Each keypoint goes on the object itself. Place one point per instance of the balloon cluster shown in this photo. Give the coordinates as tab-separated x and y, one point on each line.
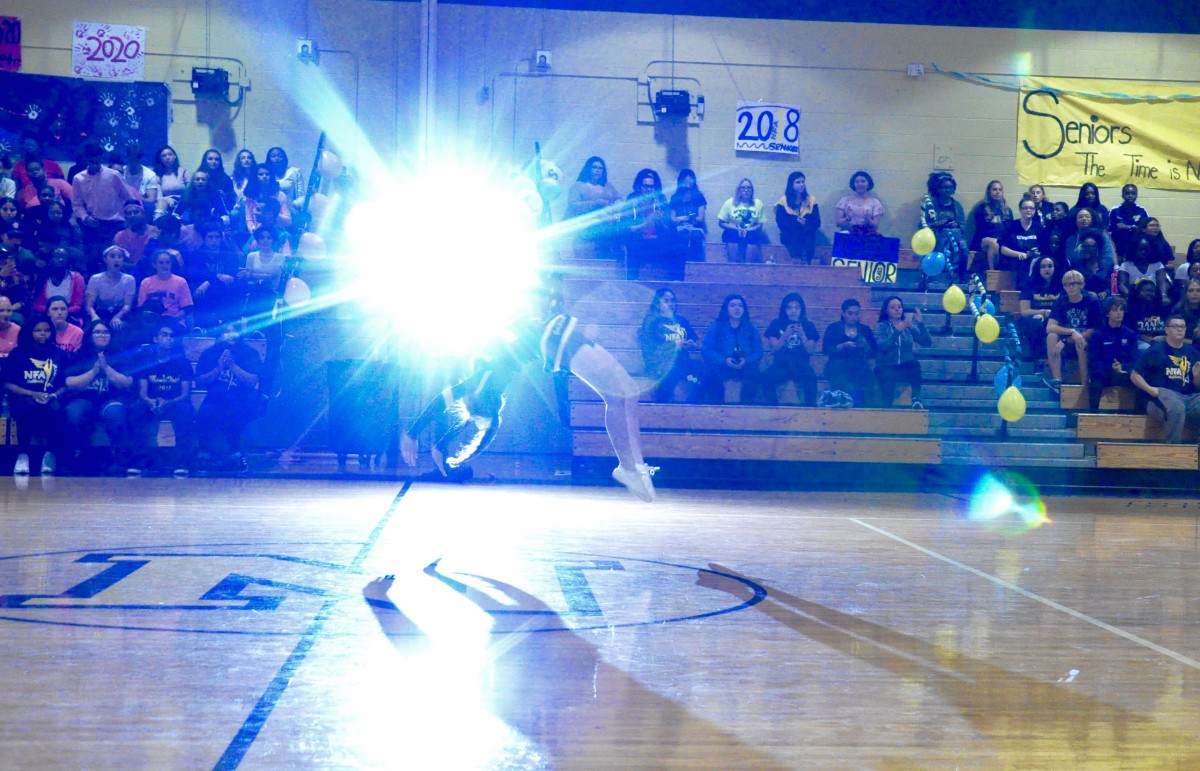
1011	404
923	243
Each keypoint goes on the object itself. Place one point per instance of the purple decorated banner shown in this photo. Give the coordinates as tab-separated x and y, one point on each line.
10	43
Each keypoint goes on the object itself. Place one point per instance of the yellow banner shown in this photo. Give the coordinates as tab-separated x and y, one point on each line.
1109	133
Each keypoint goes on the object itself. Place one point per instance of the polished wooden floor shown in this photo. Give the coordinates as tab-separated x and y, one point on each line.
186	624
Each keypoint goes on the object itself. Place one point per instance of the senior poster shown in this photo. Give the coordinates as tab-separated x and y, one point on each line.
1108	132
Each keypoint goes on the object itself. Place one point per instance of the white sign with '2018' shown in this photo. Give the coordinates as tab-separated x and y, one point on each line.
116	51
767	128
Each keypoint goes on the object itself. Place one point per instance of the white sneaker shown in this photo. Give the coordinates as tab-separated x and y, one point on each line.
49	464
180	473
637	481
21	468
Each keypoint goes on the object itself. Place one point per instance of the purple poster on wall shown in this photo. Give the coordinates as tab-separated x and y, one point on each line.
63	114
10	43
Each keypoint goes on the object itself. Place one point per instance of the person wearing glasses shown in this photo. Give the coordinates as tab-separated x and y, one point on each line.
648	229
741	221
1074	319
1020	243
1167	374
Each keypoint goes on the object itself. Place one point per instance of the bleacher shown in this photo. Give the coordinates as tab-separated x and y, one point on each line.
960	426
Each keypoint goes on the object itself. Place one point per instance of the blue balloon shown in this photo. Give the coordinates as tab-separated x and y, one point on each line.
933	264
988	307
1002	383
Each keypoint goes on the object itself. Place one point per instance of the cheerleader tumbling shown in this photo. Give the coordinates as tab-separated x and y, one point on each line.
466	416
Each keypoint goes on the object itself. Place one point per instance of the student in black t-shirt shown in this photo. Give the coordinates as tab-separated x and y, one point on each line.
1037	300
849	346
687	208
791	338
1167	374
1019	243
1073	319
164	392
99	388
229	371
1113	351
1146	314
33	380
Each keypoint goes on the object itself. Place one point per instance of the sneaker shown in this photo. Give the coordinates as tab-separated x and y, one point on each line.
49	464
637	480
133	472
827	399
845	400
1054	384
916	404
180	473
21	468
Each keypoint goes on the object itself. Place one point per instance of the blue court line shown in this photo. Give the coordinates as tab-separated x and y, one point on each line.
240	745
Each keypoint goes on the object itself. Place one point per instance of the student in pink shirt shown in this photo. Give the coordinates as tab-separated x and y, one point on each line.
8	330
98	196
67	336
137	232
166	294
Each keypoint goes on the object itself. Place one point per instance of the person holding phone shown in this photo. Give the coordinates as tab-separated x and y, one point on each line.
732	351
791	338
898	332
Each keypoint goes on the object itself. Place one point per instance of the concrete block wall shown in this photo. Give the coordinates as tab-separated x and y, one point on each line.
860	109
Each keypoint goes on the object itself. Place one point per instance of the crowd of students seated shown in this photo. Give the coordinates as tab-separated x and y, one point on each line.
647	227
863	366
104	269
1084	271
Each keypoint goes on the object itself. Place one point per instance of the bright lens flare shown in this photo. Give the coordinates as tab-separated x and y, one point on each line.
1007	504
448	255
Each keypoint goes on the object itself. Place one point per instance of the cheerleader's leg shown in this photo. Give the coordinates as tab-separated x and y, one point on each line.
603	374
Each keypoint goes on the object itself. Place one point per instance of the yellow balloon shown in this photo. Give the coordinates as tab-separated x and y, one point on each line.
987	329
954	300
1011	405
923	241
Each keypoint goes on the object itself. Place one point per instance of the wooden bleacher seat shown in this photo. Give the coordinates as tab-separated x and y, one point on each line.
755	418
1142	455
1112	399
1001	280
702	314
1010	301
1126	428
766	446
763	299
797	276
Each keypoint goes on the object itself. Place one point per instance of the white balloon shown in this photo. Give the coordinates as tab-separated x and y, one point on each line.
330	166
312	247
296	292
318	204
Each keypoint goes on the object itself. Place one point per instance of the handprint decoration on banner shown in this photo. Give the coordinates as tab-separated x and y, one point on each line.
63	114
116	51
